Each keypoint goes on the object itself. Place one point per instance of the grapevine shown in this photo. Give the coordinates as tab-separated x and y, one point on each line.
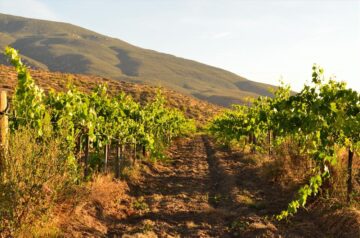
93	120
321	116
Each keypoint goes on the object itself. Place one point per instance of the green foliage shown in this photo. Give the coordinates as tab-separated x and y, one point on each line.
140	204
322	115
28	100
74	115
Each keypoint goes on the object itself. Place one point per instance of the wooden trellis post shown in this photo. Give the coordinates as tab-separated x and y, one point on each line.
4	122
269	141
349	179
86	157
118	159
106	157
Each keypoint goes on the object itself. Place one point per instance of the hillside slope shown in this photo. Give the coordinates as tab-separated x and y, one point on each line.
193	108
67	48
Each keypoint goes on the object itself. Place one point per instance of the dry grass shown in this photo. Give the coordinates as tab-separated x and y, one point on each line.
132	173
32	176
92	207
287	170
338	180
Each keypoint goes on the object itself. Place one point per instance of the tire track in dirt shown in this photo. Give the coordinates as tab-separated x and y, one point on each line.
223	181
227	174
251	199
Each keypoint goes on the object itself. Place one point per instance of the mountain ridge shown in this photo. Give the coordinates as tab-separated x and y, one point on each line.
64	47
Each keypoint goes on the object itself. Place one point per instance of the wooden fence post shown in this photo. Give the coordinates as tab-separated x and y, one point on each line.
134	159
86	157
4	122
349	178
269	141
106	155
117	160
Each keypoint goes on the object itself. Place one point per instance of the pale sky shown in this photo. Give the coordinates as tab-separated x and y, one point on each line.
262	40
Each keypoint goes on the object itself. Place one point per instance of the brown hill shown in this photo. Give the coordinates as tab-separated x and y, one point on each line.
63	47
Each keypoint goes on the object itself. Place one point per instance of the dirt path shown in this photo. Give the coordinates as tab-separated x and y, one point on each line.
206	192
178	197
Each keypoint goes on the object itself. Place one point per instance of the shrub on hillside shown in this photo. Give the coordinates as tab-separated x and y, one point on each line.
31	177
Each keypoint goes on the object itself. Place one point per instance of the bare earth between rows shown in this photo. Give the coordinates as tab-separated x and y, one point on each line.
203	191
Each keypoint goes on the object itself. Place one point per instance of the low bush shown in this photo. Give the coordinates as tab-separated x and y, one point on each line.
32	175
